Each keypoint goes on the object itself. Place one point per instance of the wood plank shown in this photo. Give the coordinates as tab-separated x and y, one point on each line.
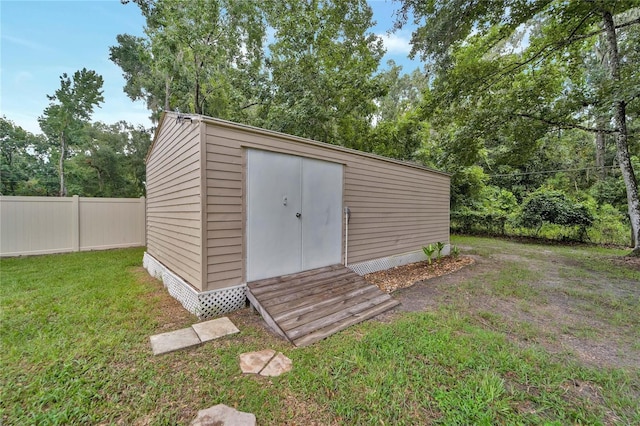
326	307
308	306
297	332
270	281
272	324
301	287
290	302
347	322
298	284
292	298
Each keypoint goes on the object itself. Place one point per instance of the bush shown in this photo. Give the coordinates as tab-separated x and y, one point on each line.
610	191
553	207
466	220
610	226
488	213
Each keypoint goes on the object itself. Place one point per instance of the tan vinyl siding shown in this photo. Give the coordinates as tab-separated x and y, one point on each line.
174	192
395	208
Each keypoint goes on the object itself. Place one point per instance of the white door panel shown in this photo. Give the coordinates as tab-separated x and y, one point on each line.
322	214
273	200
279	187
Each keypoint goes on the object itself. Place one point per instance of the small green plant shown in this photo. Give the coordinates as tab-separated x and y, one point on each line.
439	247
455	252
429	250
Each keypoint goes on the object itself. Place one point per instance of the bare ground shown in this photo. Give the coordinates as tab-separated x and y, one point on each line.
559	303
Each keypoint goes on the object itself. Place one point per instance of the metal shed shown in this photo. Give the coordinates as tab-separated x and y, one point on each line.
229	204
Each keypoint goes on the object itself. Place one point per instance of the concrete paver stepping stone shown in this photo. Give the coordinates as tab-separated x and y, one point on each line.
222	415
254	362
265	362
280	364
214	329
174	340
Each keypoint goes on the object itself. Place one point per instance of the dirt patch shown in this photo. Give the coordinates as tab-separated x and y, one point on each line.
568	308
407	275
628	261
172	315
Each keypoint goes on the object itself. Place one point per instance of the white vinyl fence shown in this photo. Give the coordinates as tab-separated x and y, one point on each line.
39	225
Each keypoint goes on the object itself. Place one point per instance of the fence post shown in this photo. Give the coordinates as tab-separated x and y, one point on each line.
75	223
143	205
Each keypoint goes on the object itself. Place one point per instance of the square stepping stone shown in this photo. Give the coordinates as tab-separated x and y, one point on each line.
265	362
254	362
214	329
280	364
222	415
174	340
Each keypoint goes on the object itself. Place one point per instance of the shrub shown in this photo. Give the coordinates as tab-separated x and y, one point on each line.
428	251
553	207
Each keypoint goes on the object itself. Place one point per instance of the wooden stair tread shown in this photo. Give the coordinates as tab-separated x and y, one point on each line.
322	311
345	323
294	300
304	288
308	306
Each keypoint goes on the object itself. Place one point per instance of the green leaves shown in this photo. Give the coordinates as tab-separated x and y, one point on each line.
428	251
202	56
322	64
554	207
316	78
70	108
111	161
23	169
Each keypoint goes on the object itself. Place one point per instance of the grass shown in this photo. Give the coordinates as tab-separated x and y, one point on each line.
74	332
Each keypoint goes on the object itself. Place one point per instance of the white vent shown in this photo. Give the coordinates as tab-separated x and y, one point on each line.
202	304
383	263
154	267
182	292
218	302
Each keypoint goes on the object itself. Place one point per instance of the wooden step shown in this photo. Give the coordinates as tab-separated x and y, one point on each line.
345	323
326	308
350	311
295	299
311	305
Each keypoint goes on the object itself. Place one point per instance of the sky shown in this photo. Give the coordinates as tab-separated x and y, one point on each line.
41	40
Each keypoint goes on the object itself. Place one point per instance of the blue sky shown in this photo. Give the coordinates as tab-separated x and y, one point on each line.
40	40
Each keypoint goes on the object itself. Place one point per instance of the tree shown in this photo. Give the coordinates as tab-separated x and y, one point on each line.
70	108
201	57
109	161
485	71
398	130
553	207
403	92
22	165
323	65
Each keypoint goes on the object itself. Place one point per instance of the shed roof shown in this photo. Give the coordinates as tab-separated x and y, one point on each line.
257	130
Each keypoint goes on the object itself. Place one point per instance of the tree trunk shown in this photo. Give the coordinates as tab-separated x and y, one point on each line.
601	146
601	122
622	142
63	190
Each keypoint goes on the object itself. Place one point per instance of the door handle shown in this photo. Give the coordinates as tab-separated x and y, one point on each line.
298	215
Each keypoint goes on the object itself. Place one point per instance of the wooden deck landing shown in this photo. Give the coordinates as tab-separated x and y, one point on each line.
311	305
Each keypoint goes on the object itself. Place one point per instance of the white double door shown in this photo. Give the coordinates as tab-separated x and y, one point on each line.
294	214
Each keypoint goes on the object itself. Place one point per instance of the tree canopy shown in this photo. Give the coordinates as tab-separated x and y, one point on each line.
507	74
69	111
304	68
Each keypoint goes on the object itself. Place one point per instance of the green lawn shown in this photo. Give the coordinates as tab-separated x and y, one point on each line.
75	350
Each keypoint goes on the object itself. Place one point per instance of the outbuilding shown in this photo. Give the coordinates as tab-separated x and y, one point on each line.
229	204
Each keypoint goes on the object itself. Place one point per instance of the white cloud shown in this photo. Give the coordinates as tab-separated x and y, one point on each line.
23	77
24	43
396	44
